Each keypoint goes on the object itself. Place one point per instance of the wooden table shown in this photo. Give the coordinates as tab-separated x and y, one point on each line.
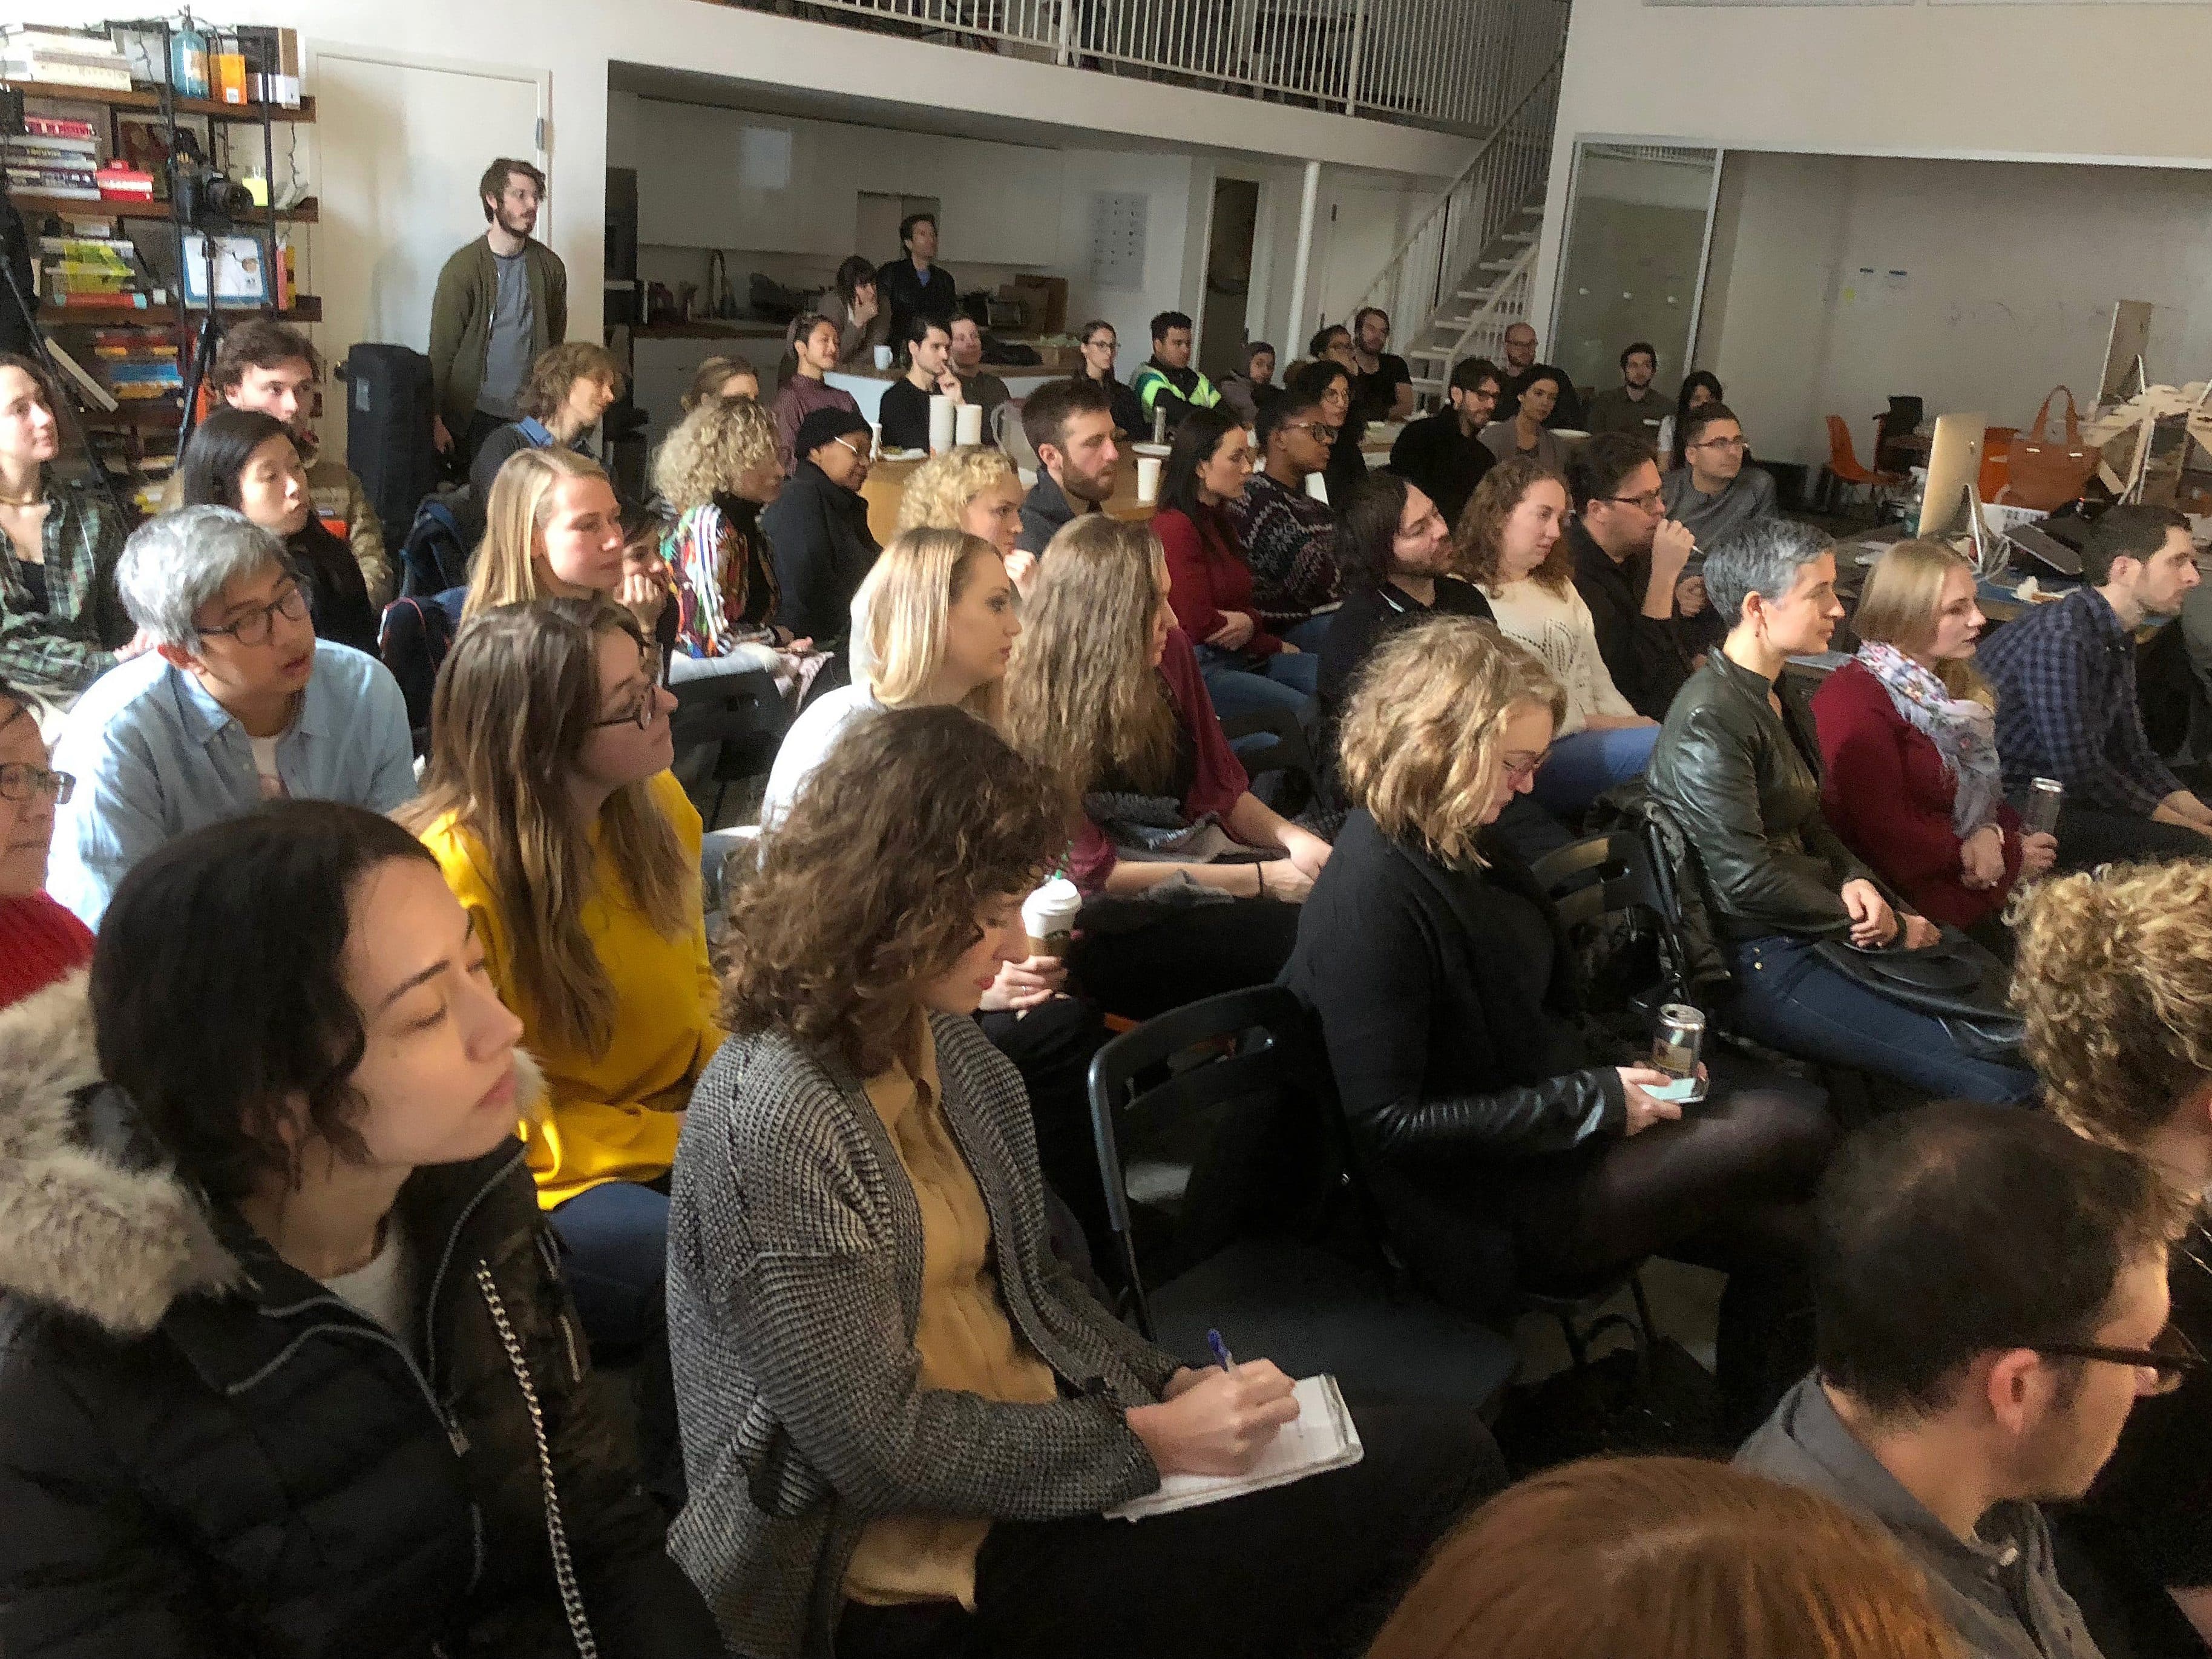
886	487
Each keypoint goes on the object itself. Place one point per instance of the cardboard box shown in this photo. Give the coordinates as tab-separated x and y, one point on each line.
1045	298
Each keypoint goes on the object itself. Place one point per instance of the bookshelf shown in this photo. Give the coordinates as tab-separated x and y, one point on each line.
139	434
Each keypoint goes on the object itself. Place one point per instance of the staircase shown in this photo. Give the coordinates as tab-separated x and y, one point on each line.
1467	269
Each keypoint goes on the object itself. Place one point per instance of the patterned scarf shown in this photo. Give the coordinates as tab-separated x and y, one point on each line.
1964	732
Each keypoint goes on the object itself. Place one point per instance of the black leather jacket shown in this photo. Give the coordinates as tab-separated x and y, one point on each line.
1744	783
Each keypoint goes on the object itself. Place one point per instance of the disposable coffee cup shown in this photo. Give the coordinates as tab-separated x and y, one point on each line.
1317	487
875	438
1148	478
882	356
1049	914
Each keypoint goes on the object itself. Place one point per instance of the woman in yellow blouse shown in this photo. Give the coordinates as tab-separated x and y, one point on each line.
549	806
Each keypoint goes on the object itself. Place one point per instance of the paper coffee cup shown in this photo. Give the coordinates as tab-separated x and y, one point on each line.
1049	914
882	356
1317	487
968	424
875	438
1148	478
940	422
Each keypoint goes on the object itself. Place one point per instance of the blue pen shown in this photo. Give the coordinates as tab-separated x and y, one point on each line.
1221	1357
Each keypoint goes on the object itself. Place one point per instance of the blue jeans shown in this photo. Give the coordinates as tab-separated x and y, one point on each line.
614	1243
1309	635
1787	997
1237	687
1584	765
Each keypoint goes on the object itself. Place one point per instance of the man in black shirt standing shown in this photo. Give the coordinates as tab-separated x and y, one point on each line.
1520	367
1628	557
1383	390
1442	455
917	286
905	411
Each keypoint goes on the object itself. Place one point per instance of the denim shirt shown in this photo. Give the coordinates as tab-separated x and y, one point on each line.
154	757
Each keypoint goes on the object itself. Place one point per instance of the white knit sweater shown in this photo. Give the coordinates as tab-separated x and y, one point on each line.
1557	628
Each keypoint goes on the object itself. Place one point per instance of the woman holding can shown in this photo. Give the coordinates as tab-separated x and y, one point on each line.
1506	1152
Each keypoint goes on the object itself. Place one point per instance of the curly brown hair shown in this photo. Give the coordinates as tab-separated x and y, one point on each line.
2114	979
1479	539
557	369
872	885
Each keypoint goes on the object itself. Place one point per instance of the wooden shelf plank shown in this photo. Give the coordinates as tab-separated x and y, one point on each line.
145	98
306	308
309	212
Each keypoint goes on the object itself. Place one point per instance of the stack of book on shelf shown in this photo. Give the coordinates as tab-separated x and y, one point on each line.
94	275
62	58
137	366
54	157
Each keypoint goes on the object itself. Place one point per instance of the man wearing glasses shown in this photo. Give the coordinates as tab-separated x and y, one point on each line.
1991	1293
237	703
1628	557
1444	453
1713	491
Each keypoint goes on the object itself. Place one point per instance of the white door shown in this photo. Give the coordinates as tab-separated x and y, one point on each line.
403	143
1361	236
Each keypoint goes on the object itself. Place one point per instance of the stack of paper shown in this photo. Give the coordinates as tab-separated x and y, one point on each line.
1323	1438
62	58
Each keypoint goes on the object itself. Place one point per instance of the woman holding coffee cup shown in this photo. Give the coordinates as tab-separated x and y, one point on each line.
935	625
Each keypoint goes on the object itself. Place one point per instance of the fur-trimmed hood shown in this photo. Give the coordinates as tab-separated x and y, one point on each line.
94	1220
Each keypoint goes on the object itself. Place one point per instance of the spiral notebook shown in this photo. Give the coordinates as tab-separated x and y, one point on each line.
1323	1438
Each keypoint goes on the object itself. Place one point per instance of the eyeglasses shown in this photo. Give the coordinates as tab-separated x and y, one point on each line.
1649	501
253	628
648	705
1720	443
2172	1356
847	443
1522	771
1319	430
20	781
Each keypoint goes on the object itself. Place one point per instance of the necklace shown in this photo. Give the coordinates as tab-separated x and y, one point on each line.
34	499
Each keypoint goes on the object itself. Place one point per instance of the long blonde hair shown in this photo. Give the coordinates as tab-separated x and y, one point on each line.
506	569
1898	604
906	596
1082	695
940	489
1420	742
713	446
517	698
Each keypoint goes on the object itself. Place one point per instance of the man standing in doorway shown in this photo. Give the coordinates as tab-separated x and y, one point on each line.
1383	390
1632	408
501	300
915	285
1443	454
1167	380
1522	368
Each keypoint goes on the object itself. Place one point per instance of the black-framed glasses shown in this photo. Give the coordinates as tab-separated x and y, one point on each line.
22	781
642	713
253	628
2172	1356
1319	430
1649	501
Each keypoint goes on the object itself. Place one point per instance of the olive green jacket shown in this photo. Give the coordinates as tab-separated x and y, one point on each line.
460	321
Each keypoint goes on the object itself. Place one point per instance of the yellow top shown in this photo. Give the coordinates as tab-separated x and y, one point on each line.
964	1340
613	1114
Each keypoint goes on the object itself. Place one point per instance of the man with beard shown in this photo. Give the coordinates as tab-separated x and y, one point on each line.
1632	407
1070	424
501	300
261	364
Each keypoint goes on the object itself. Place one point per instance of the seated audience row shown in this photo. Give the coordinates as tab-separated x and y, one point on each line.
569	387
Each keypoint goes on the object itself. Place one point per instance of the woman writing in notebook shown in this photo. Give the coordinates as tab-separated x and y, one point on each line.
903	1418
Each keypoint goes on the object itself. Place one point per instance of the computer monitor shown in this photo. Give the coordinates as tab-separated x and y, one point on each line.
2124	375
1954	472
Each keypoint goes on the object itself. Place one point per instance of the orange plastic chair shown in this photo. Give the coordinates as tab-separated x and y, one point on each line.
1844	462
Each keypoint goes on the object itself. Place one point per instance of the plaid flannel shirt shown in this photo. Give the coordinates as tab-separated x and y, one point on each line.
2065	678
62	649
1290	542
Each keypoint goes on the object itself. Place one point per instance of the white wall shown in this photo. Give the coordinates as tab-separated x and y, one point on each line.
571	41
2009	274
2115	83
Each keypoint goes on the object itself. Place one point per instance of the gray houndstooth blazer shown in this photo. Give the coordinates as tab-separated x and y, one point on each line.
794	1283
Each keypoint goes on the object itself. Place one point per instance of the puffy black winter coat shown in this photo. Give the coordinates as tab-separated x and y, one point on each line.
203	1452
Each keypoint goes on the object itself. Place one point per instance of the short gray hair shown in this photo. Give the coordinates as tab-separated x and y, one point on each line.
1761	557
175	563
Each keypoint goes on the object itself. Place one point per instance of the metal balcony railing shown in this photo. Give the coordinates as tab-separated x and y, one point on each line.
1449	64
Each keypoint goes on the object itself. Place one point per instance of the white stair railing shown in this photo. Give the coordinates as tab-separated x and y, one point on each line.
1479	227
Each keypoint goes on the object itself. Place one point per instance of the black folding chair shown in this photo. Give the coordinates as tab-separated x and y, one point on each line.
1285	750
725	730
1237	1084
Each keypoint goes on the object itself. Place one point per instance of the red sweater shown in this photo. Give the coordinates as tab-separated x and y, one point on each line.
40	943
1218	784
1885	793
1208	577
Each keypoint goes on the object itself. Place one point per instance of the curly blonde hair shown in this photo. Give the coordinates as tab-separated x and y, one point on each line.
940	489
1479	539
1082	694
2114	979
1420	744
872	885
557	369
710	449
